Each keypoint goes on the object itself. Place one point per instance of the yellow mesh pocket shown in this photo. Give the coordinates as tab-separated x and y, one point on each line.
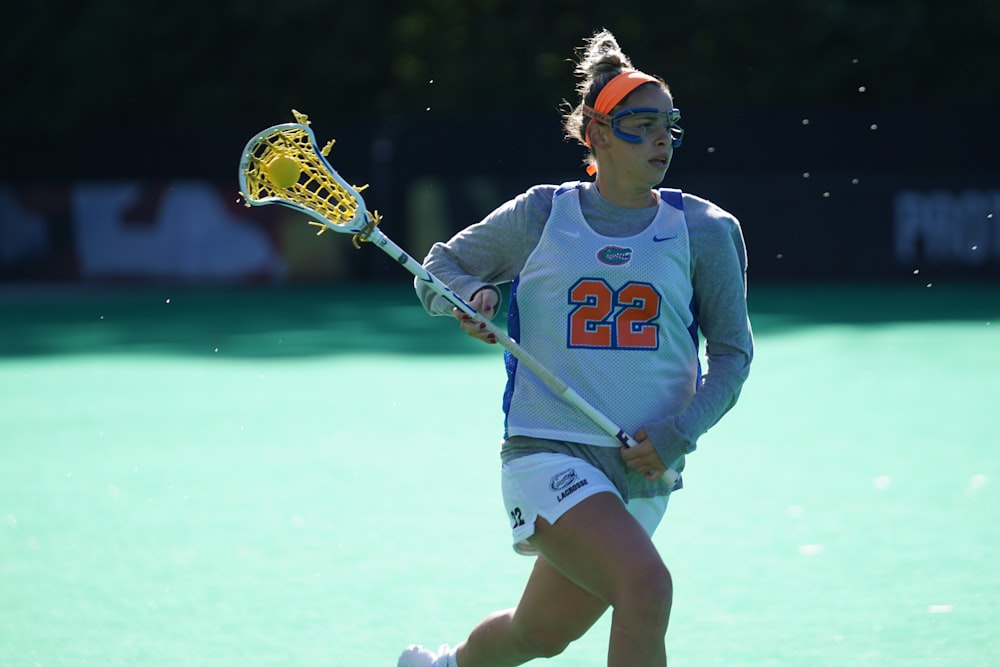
283	165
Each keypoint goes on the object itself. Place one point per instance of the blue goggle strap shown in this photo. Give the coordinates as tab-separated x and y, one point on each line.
614	122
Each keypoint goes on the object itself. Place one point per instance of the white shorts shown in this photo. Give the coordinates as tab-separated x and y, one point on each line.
549	485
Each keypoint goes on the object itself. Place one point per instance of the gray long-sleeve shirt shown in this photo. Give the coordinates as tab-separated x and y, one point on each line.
494	250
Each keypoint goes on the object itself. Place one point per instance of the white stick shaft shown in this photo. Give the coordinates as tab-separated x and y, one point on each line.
387	245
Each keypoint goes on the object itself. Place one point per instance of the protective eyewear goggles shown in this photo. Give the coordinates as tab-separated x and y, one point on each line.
634	124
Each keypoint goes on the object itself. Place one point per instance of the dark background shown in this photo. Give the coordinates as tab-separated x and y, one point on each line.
805	119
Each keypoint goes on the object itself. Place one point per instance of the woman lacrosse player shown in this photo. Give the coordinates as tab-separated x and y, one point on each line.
612	281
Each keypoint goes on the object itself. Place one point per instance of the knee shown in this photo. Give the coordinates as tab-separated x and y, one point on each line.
650	595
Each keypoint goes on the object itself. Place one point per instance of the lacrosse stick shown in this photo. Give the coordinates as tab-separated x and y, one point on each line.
282	165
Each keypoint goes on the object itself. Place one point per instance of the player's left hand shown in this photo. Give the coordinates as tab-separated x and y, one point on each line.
643	457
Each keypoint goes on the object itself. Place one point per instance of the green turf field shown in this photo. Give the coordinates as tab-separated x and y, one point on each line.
308	477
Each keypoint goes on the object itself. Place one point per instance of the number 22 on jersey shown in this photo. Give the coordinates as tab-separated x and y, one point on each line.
606	318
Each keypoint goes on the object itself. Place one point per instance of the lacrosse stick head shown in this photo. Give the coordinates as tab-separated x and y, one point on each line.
283	165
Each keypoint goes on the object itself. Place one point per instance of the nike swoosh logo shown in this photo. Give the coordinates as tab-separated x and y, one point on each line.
661	239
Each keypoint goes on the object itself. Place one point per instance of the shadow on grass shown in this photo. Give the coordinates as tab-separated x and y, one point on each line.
785	307
257	322
264	322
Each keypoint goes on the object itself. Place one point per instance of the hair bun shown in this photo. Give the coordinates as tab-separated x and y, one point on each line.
601	54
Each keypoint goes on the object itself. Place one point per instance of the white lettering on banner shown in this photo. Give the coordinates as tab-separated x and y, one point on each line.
183	231
940	227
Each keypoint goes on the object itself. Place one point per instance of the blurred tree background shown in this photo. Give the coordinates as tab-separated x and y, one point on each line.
71	66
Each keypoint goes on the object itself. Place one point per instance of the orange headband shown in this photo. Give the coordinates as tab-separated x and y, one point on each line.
619	87
613	92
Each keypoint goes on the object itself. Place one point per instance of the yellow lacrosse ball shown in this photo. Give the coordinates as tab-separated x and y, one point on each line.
283	172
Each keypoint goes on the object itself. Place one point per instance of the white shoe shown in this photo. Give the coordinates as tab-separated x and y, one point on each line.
418	656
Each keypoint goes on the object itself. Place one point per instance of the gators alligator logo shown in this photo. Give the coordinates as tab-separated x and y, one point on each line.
614	255
563	479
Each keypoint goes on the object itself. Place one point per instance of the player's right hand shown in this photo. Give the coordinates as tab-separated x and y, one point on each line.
485	301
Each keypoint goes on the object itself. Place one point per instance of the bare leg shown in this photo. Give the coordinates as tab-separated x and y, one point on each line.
552	613
596	555
602	549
